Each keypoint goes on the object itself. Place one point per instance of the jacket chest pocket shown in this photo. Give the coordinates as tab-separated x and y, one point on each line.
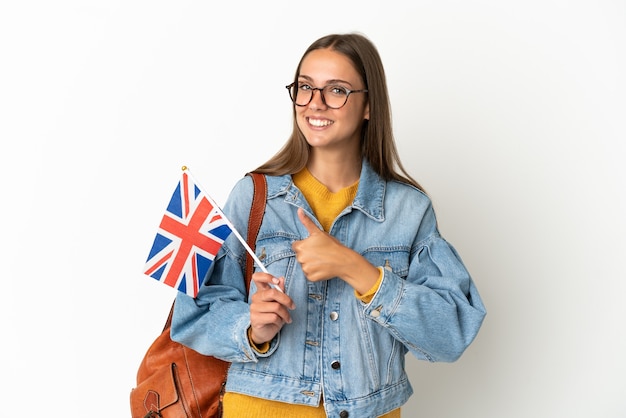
277	256
394	259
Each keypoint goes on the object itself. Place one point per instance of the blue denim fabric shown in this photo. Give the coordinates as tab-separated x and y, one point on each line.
427	303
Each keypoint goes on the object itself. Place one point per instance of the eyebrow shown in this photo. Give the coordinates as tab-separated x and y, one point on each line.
329	82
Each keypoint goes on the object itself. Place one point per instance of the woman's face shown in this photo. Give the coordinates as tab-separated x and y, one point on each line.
322	126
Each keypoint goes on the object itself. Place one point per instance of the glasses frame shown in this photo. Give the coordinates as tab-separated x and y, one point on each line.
321	90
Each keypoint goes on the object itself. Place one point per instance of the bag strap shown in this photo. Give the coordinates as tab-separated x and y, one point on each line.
255	218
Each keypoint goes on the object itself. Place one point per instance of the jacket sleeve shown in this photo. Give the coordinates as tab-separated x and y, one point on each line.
436	310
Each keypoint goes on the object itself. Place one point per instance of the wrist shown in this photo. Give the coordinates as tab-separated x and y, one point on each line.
259	347
359	273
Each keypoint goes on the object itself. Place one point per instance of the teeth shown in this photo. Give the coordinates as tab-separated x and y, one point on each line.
319	122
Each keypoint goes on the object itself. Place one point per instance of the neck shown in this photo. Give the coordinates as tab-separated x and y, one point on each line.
335	173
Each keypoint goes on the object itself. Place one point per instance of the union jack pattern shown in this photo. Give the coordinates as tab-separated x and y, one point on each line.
190	234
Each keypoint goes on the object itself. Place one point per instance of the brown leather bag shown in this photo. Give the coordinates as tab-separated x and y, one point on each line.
174	381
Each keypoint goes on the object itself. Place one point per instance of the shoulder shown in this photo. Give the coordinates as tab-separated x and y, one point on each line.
407	202
243	190
398	190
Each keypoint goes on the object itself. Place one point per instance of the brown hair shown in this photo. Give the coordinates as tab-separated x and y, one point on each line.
377	141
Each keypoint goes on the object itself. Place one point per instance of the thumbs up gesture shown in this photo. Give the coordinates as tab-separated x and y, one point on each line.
323	257
319	253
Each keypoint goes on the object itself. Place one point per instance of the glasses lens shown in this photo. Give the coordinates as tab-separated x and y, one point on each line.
335	96
300	95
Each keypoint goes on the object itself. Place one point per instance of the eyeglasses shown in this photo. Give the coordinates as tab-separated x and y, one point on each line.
334	97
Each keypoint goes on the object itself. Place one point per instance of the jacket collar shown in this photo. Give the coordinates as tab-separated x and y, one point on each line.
369	196
371	193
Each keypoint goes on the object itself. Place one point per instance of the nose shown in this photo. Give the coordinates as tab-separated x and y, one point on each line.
317	102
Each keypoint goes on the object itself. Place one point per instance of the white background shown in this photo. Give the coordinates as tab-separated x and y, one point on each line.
511	114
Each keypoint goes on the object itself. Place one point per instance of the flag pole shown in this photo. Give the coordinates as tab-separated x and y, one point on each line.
232	227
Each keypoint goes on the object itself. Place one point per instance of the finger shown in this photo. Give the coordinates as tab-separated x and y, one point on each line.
263	280
278	283
266	313
282	297
307	222
273	289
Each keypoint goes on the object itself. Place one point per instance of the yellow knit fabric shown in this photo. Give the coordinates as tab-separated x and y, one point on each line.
237	405
326	206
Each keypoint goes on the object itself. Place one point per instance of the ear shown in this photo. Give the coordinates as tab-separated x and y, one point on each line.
366	111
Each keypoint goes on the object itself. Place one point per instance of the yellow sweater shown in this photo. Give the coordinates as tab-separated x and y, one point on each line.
326	206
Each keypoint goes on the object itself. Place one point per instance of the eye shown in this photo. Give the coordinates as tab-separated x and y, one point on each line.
337	90
304	87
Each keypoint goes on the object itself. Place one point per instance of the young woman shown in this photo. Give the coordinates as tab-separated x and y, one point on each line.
359	274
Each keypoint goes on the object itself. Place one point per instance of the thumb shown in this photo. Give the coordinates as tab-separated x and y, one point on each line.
307	222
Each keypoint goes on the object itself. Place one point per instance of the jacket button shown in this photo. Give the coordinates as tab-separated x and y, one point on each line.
334	316
344	414
335	365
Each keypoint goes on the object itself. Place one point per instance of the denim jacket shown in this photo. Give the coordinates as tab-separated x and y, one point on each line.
337	347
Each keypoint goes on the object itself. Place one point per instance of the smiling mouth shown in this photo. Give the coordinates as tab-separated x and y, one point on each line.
320	122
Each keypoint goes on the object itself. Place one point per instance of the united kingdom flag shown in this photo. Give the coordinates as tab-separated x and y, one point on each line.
191	233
